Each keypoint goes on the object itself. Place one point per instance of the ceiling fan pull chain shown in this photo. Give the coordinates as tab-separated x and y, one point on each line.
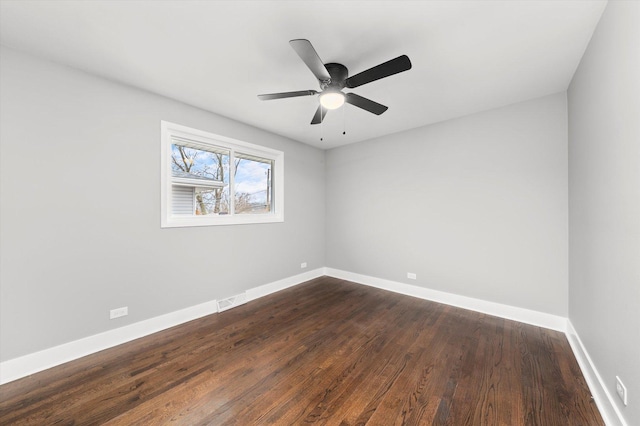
321	124
344	120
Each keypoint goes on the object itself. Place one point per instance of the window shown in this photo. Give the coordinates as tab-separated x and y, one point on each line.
214	180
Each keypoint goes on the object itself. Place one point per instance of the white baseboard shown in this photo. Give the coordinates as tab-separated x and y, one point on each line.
604	400
527	316
17	368
275	286
26	365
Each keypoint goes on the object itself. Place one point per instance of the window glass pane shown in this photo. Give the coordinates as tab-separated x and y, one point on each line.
198	164
212	201
253	194
187	162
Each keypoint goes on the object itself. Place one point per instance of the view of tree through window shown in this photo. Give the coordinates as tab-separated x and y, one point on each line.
208	172
203	166
252	185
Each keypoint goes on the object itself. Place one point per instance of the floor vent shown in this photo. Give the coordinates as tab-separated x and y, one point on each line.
232	302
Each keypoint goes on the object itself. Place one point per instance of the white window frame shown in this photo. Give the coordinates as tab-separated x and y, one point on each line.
171	132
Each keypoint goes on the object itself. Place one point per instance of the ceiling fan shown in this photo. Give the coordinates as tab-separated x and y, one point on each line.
333	77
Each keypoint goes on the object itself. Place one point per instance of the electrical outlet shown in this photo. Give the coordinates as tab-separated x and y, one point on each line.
303	265
118	312
621	390
411	275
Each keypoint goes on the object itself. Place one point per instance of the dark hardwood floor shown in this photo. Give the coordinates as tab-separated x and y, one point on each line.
325	352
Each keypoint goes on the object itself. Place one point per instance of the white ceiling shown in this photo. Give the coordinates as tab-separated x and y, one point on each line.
467	56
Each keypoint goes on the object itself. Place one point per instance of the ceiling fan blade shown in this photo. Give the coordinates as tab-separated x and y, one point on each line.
270	96
308	54
394	66
317	118
364	103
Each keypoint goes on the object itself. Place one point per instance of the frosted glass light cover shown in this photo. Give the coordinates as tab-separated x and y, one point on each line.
332	100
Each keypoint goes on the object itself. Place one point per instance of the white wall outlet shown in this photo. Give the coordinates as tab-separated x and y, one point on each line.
118	312
621	390
303	265
411	275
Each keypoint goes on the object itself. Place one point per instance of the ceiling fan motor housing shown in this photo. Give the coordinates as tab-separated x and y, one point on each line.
338	73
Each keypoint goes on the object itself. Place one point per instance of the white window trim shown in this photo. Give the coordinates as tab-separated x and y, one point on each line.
197	183
170	132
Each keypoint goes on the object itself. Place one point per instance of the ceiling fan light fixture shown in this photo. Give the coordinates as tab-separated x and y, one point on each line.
332	100
333	77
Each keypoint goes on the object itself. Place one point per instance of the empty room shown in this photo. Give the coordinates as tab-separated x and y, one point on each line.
320	212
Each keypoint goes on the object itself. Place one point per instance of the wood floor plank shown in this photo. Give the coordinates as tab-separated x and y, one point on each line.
327	352
348	346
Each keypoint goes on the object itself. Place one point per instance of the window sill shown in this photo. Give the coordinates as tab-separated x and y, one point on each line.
180	222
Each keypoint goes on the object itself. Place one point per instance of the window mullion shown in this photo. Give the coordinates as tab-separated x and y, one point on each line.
232	186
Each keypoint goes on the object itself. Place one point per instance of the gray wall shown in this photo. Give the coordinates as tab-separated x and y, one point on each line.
604	200
475	206
80	213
